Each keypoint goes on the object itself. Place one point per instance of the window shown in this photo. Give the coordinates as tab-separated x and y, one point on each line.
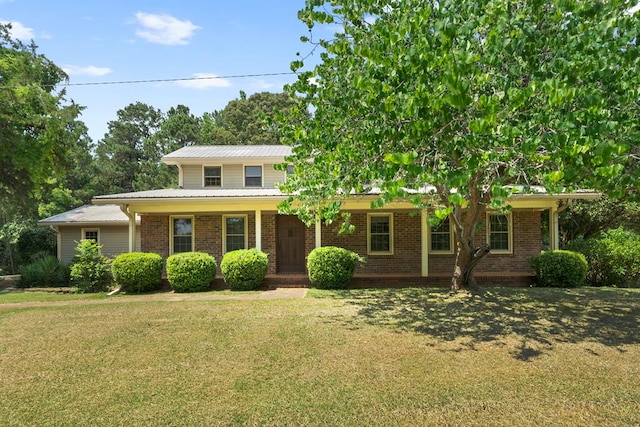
212	176
253	176
235	233
499	233
181	234
289	169
442	237
91	234
380	227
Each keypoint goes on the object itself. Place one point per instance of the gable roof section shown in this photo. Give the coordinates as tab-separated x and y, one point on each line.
227	153
88	215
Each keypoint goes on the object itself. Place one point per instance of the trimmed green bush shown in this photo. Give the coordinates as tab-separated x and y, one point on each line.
90	270
44	272
244	269
613	257
191	271
560	269
137	271
331	267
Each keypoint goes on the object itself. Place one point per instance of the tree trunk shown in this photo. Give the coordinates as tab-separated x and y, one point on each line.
468	255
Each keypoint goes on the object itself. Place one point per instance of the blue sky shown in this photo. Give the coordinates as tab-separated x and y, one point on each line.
117	40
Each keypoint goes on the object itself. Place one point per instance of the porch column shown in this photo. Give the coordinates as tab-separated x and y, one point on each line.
554	229
318	233
258	229
424	243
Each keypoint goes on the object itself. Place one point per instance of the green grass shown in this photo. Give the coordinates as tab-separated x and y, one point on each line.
368	357
14	296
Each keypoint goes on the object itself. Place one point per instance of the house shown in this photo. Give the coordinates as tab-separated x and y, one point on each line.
228	200
106	224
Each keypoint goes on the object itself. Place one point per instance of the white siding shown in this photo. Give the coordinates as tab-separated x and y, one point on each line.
233	176
114	240
192	177
272	176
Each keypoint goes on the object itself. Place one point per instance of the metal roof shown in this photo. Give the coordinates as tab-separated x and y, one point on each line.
179	193
227	152
88	214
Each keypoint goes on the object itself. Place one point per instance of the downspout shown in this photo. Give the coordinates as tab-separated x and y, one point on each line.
132	226
180	176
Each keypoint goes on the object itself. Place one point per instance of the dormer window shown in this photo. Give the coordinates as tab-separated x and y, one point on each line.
212	176
253	176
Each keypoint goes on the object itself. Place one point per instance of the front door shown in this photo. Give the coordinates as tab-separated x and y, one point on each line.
289	244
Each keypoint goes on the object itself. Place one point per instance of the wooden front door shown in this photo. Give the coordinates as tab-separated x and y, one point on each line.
289	244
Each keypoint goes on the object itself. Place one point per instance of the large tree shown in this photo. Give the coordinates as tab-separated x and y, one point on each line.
466	100
242	121
36	123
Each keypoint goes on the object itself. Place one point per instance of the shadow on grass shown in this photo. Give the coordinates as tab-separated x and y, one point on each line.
536	316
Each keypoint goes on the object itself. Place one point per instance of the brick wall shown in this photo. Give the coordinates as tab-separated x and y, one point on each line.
269	239
154	234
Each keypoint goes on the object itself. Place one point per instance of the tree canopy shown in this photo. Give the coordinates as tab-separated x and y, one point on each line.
36	122
469	99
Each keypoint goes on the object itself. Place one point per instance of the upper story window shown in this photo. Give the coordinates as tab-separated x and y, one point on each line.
253	176
181	234
380	234
442	238
499	233
212	176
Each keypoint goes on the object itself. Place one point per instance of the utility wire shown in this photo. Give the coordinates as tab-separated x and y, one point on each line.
123	82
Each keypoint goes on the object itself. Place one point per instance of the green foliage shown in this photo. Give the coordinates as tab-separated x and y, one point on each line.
613	257
331	267
588	218
90	270
191	271
244	269
44	272
467	96
35	241
137	271
560	269
35	121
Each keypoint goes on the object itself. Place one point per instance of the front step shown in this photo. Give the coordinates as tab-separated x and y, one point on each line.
287	281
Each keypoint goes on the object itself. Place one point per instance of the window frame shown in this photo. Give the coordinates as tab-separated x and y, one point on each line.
509	232
204	176
451	239
244	172
224	230
83	233
172	235
388	215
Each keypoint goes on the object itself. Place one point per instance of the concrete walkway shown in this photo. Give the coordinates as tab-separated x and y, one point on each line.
278	293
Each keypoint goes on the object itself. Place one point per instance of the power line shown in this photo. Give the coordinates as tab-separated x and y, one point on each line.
123	82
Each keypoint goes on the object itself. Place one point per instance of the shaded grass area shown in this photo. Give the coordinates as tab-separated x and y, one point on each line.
370	357
14	296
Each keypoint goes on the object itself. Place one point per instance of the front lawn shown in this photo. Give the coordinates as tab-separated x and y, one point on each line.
380	357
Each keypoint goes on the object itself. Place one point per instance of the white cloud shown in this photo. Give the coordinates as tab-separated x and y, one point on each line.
634	9
19	31
204	81
164	29
259	84
89	70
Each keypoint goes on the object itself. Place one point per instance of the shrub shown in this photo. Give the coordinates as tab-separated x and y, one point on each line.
560	269
244	269
90	270
137	271
191	271
331	267
613	257
44	271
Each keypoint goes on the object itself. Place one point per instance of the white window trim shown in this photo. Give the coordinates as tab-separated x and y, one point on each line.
193	231
510	232
203	176
83	233
244	175
385	214
451	240
224	230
